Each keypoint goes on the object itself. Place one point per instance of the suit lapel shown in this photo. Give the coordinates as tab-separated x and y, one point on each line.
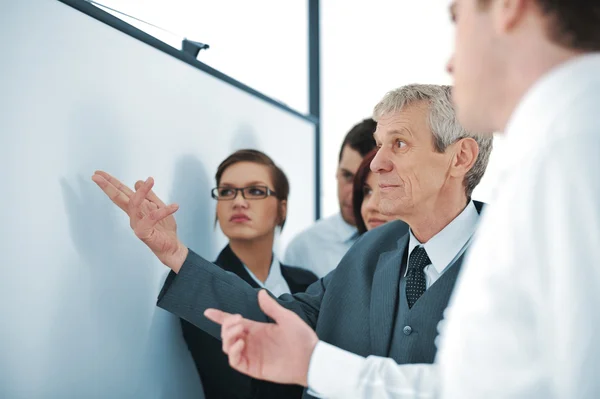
294	287
231	263
384	297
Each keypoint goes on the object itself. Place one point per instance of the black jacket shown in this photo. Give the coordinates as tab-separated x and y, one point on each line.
219	380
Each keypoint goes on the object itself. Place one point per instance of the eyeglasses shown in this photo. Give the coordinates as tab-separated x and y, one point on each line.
249	193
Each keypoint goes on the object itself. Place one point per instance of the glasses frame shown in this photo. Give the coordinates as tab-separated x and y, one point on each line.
215	190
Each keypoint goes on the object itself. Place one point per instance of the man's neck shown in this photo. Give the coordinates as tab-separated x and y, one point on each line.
529	66
256	254
440	214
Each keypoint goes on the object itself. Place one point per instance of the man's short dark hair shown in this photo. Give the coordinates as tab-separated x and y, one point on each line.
573	24
360	137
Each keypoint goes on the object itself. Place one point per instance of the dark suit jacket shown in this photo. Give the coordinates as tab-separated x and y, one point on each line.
218	379
353	307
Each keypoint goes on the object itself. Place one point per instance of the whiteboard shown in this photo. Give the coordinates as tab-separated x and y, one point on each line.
78	290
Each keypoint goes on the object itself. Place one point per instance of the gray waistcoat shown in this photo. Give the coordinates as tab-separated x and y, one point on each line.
415	329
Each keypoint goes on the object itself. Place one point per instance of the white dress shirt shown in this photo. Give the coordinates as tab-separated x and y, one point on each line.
275	281
447	245
524	317
321	247
350	376
526	325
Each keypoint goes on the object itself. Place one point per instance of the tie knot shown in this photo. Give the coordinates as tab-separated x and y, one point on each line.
418	259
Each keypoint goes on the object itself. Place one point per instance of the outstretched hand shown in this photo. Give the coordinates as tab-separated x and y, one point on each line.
278	352
150	218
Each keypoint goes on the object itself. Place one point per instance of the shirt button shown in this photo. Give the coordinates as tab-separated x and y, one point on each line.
407	330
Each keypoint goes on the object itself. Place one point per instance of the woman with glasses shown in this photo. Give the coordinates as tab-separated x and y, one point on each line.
365	197
251	197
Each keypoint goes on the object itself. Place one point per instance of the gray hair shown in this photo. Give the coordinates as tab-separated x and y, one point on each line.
442	121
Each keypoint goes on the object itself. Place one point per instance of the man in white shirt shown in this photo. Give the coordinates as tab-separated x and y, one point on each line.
320	247
524	315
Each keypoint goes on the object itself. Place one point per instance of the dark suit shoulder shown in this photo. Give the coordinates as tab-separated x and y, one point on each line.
386	235
364	254
298	275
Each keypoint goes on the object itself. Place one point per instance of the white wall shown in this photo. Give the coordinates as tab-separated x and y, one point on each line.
78	289
262	43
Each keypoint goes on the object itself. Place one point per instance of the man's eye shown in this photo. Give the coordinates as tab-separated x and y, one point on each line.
400	144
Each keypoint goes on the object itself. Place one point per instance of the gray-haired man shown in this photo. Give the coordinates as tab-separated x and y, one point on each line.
388	293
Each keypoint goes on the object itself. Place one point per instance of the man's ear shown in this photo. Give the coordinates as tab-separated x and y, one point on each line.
465	154
507	14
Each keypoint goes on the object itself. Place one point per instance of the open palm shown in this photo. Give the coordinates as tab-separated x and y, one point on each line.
258	345
278	352
150	218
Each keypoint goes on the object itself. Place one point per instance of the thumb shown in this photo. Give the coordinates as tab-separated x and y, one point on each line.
271	308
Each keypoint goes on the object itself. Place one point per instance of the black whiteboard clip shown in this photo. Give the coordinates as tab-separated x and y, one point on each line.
193	48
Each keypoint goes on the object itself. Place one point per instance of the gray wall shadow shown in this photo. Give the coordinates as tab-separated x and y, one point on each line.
195	218
244	137
101	338
100	313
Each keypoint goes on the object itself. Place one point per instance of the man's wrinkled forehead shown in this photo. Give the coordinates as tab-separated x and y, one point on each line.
382	134
400	122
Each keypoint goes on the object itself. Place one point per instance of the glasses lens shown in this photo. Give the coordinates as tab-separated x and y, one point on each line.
223	193
256	192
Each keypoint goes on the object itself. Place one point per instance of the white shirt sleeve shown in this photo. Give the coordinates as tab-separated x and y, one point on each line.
335	373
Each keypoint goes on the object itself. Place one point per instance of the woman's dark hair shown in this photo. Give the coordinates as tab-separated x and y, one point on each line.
281	185
358	187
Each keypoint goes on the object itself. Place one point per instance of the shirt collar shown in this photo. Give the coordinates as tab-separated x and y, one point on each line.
535	114
443	247
274	278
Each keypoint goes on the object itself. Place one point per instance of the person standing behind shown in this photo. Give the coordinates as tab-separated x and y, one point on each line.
320	247
365	198
251	197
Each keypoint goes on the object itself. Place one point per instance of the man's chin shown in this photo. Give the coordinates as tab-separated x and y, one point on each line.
348	217
389	208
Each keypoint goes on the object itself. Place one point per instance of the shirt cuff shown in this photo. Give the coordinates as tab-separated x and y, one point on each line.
332	372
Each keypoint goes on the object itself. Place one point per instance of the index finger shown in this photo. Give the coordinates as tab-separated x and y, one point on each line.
115	195
216	315
115	182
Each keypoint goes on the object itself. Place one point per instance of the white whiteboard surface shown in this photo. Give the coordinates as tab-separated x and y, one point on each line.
78	290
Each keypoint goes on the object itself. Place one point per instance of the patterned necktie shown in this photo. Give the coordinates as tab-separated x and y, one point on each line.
415	278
